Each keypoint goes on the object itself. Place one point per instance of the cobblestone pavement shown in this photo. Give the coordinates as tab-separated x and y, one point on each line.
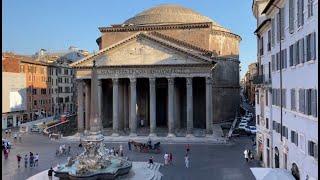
206	161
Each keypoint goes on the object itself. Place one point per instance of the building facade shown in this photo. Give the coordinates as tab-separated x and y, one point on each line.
168	67
294	145
249	82
14	99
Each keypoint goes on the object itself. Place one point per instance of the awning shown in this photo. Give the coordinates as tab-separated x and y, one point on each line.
271	174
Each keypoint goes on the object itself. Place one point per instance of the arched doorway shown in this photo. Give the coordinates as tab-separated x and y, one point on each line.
276	157
295	171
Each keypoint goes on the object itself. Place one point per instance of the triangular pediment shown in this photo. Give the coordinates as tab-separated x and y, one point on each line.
141	50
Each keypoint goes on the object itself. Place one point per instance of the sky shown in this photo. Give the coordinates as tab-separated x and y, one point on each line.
28	26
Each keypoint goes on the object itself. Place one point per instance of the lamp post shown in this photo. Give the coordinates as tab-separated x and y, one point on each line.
279	28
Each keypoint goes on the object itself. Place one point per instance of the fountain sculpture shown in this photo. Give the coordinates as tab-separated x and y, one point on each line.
94	163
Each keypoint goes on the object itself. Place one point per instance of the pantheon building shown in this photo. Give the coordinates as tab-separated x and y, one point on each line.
167	70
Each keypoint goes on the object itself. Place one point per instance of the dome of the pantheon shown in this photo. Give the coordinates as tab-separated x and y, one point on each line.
170	14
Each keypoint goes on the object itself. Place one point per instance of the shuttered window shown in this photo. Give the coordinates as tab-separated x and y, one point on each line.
283	96
300	18
267	98
311	47
278	61
285	132
297	54
301	50
282	22
273	26
291	16
293	99
310	8
313	149
273	64
294	137
291	55
269	40
278	27
301	100
284	58
314	102
308	101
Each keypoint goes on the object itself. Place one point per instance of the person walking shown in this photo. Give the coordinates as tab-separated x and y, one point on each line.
15	137
31	159
166	157
19	160
36	160
186	160
26	161
6	153
129	145
150	163
249	154
50	172
20	138
188	148
170	158
121	150
246	154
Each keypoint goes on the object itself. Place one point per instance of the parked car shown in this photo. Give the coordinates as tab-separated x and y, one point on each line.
35	128
253	129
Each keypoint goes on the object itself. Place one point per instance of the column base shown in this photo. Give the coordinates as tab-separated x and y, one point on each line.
152	135
170	135
189	135
115	134
133	135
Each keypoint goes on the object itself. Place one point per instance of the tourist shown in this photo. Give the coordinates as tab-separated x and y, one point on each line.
36	159
26	161
31	159
50	172
166	158
19	159
121	150
150	161
20	138
251	156
188	148
15	136
186	160
170	158
6	153
129	145
246	153
6	131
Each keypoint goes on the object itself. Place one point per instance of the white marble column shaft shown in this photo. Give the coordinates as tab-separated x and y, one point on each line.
208	105
152	86
115	98
133	110
170	107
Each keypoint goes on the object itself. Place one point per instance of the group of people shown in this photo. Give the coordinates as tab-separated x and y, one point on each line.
248	155
32	159
167	158
63	150
116	152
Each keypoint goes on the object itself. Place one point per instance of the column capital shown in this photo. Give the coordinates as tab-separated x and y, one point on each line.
208	80
189	80
170	80
133	80
152	81
115	81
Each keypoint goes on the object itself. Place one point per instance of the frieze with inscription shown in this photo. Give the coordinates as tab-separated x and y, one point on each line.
146	72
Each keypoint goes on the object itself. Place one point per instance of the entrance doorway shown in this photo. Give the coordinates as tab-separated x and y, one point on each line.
162	102
295	171
276	157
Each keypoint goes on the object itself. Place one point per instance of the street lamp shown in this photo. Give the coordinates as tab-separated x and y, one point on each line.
280	70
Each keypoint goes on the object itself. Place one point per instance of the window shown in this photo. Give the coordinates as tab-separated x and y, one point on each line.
301	50
283	96
66	72
267	123
300	18
257	97
268	142
312	149
301	100
293	99
273	62
274	125
258	119
297	53
60	89
266	97
314	103
35	102
34	91
269	40
66	99
273	25
308	101
22	68
311	46
294	137
269	68
282	22
291	55
291	16
43	91
284	58
278	27
261	46
285	132
310	8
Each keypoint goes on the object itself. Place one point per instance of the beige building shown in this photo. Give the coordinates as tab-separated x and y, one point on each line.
166	70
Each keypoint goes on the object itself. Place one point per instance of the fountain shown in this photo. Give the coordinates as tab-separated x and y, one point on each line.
94	163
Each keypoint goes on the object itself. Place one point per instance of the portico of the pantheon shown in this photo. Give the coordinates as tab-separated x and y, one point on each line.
169	66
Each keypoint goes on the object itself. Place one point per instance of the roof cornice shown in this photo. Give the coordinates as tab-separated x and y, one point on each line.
155	27
263	24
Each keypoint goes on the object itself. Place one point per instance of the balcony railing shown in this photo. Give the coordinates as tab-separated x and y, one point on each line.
261	79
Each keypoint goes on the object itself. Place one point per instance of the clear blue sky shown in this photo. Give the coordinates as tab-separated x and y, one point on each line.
29	25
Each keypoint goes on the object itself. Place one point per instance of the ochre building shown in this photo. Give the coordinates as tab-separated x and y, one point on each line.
166	70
